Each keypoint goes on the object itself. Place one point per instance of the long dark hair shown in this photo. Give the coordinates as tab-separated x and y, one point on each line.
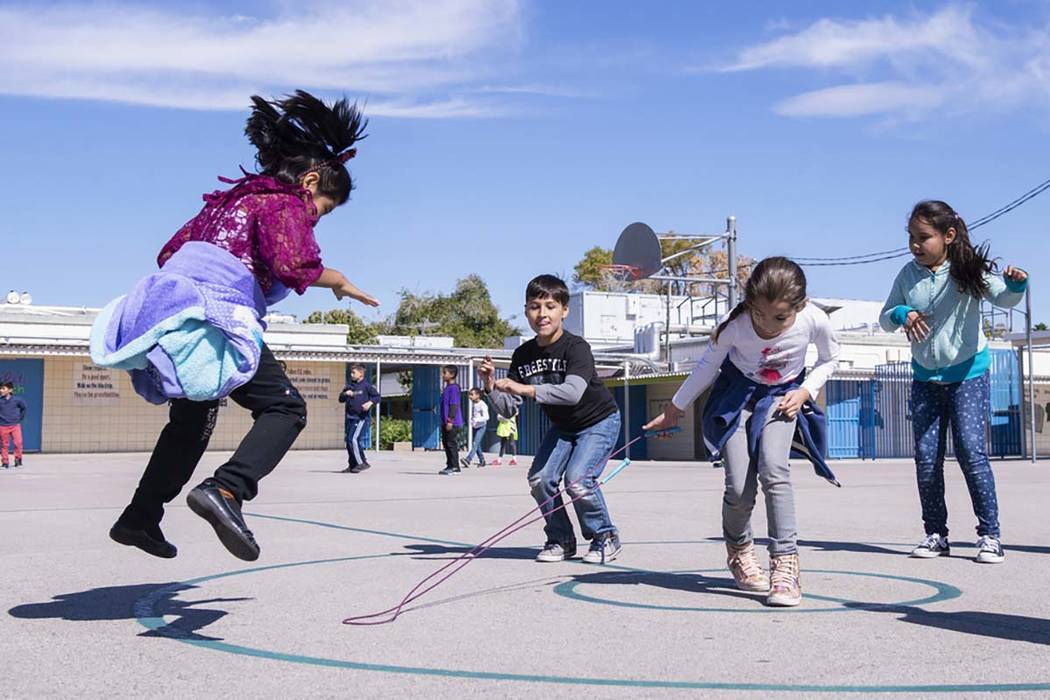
773	279
301	134
969	264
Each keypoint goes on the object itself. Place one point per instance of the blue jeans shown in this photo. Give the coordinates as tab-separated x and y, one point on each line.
965	406
478	438
575	456
355	443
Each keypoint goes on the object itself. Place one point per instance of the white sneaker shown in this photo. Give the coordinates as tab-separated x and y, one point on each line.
989	550
603	549
555	552
933	546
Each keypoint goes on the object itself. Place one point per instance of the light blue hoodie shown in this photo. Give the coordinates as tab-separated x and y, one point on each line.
956	349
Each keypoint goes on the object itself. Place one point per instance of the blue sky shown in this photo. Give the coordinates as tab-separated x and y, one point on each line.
507	138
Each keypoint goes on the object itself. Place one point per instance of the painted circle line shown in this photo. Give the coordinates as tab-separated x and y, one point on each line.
145	613
942	592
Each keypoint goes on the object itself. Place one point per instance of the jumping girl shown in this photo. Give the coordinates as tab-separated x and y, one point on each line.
259	234
762	403
937	298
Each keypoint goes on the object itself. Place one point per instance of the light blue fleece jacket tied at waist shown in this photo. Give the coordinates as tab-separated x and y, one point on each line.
956	349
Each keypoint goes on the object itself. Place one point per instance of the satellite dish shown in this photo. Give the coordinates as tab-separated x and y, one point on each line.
13	297
639	247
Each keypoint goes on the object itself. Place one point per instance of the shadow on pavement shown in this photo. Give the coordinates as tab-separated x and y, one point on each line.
1017	628
119	602
687	582
430	550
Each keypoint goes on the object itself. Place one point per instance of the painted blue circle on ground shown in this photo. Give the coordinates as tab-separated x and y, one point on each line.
146	615
942	592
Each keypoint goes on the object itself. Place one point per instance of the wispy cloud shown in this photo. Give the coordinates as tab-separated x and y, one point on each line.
946	62
413	58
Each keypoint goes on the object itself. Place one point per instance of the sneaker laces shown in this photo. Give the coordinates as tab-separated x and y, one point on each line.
783	571
744	559
987	543
931	541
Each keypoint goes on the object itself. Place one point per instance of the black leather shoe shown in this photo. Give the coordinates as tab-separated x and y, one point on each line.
360	468
221	509
149	542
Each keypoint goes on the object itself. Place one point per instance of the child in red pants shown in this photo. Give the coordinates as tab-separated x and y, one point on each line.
12	412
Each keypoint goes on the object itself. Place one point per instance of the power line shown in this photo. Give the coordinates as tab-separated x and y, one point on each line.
854	257
1031	194
901	252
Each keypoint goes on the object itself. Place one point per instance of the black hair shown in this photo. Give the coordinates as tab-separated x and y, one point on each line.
474	390
301	134
773	279
8	385
969	264
451	369
547	286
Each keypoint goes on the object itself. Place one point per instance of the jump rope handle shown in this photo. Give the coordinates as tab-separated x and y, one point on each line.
662	433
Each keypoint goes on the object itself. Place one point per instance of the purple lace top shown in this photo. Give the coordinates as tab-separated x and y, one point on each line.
267	225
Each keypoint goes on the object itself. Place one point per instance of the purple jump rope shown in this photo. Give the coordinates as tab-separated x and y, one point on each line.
419	590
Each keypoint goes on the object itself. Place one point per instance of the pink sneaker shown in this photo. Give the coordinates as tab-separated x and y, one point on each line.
513	461
496	462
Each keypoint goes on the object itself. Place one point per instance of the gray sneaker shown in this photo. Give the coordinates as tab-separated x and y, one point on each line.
554	552
989	550
934	545
603	549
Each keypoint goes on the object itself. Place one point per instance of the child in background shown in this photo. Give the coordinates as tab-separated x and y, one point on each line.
936	298
762	403
507	432
556	368
359	396
451	419
12	413
479	421
263	227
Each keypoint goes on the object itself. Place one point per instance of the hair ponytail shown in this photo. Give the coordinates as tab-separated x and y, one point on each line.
773	279
733	315
968	264
301	134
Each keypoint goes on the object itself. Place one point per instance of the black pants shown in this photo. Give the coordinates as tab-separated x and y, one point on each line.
450	441
280	415
355	445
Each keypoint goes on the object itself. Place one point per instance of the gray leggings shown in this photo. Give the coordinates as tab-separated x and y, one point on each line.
770	466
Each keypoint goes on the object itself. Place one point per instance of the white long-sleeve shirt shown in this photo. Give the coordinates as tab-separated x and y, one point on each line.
479	413
773	361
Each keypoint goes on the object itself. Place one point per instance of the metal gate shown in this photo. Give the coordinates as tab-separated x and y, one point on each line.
426	407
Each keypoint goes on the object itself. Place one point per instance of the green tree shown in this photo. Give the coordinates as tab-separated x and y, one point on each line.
588	271
1040	327
467	314
361	332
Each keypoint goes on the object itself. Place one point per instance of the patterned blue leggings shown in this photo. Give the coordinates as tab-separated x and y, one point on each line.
965	405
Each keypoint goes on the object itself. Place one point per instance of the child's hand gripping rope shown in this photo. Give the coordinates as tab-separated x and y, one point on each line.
420	589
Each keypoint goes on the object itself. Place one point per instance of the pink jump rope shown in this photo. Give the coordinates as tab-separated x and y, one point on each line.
420	589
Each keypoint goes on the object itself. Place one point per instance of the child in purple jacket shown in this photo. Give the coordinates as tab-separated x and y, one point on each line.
266	221
451	419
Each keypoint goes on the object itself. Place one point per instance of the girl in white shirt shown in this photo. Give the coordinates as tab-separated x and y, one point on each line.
760	411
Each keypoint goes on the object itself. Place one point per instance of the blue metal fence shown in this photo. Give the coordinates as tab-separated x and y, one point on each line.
872	419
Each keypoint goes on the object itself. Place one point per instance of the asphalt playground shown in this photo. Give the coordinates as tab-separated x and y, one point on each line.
85	617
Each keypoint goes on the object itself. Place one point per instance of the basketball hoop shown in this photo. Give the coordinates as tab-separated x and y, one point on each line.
618	278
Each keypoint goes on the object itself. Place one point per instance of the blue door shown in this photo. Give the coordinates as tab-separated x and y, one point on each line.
426	407
28	378
843	415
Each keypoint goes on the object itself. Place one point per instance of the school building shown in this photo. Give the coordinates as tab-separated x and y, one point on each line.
75	406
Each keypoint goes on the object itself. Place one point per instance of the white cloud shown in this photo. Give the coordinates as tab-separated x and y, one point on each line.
862	99
412	56
947	62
